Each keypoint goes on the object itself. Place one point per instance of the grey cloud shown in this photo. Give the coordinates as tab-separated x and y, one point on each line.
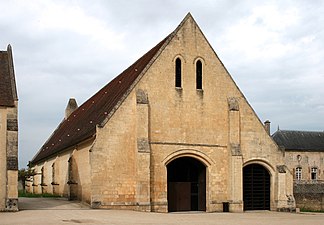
54	63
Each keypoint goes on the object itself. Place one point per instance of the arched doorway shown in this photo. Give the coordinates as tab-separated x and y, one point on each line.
186	185
256	187
72	179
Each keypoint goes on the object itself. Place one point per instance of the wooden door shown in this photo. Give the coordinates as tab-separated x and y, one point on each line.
256	187
179	196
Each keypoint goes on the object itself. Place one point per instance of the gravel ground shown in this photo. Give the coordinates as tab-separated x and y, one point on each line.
60	211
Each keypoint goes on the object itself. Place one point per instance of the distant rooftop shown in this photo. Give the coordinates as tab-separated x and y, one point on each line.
8	92
300	140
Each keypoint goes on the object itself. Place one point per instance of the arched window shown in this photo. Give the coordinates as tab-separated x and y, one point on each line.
198	74
178	73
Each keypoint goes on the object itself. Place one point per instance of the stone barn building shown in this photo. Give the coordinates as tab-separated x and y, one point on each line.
172	132
304	155
8	133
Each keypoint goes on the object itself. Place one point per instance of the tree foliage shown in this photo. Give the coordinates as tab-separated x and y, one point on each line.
24	175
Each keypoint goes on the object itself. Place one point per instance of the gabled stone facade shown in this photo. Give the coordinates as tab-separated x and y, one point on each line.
8	134
176	134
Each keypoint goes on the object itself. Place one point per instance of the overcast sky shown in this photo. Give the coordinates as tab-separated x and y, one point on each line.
274	50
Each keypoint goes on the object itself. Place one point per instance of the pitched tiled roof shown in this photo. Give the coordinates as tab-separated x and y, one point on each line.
81	124
7	80
300	140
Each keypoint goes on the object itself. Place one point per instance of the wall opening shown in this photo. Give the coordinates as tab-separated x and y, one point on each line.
186	185
314	173
72	179
256	187
178	72
199	75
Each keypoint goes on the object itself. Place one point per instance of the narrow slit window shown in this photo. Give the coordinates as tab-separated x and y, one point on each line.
178	73
42	176
70	170
199	75
53	173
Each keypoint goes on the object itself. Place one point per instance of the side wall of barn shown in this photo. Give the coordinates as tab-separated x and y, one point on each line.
66	175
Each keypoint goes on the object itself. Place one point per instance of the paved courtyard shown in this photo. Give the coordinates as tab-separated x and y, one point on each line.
60	211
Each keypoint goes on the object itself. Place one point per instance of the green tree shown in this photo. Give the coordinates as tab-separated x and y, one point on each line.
25	174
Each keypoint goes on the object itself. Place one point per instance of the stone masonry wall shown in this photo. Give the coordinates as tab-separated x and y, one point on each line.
12	158
305	160
67	174
114	160
183	122
308	193
309	196
3	157
196	123
8	158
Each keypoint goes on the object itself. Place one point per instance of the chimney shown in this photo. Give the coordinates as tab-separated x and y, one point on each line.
267	126
71	107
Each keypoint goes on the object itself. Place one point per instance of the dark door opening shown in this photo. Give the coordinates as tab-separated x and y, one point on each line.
73	179
186	185
256	187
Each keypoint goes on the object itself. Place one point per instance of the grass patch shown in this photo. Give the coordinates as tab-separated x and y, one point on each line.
31	195
310	210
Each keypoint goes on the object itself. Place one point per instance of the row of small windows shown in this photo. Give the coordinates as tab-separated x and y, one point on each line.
313	173
178	74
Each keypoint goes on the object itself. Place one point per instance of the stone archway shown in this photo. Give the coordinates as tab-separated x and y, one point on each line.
256	187
73	177
186	185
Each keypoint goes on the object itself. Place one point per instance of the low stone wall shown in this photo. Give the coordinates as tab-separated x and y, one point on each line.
309	196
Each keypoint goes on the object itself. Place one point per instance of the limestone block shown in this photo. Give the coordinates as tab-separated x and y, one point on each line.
143	145
12	163
233	104
11	204
12	124
141	97
281	168
236	150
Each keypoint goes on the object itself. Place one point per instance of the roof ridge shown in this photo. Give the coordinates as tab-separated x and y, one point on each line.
164	43
99	108
310	131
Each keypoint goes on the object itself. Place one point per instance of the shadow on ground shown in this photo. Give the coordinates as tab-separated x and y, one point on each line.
49	204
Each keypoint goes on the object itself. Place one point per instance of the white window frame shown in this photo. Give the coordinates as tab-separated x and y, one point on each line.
298	173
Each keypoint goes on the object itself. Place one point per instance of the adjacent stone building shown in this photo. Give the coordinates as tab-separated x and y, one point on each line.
304	155
8	133
172	132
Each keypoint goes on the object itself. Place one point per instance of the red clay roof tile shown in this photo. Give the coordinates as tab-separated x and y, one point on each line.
81	124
